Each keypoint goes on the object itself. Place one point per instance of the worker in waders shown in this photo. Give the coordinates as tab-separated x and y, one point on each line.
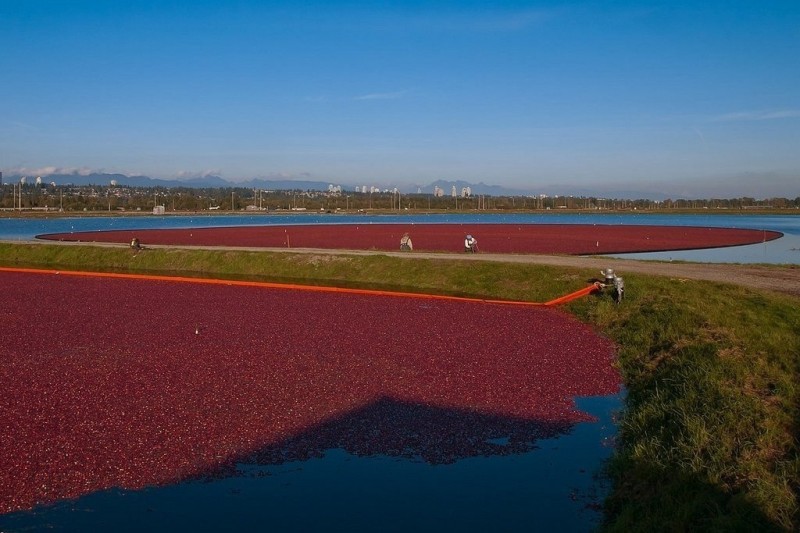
470	244
405	243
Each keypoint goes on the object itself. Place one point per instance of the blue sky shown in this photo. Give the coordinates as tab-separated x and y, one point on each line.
694	99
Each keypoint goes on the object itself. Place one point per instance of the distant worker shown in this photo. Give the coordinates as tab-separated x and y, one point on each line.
619	289
470	244
405	243
135	246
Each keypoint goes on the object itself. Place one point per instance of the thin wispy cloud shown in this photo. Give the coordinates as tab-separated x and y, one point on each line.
49	170
485	20
381	96
702	137
192	174
21	126
757	115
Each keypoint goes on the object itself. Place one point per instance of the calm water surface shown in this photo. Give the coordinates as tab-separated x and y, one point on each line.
783	250
554	487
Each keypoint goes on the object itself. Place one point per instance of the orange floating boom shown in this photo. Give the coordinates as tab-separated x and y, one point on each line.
594	287
265	284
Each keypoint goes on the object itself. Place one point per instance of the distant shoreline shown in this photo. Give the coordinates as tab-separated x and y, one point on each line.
53	213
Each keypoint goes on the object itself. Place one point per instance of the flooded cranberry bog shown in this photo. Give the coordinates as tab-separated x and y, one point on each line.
572	239
136	402
159	404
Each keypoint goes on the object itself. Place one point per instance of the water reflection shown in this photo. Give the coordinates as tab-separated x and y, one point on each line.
490	473
432	434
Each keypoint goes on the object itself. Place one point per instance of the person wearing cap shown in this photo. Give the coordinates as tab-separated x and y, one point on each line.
470	244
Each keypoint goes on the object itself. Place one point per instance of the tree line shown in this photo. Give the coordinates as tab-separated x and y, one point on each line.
186	199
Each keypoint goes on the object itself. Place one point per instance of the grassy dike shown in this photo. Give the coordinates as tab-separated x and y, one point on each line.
709	436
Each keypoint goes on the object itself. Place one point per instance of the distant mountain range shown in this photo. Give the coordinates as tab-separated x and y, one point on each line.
258	183
105	179
197	183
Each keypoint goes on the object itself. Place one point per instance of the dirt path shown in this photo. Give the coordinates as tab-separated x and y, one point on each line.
773	278
783	279
777	278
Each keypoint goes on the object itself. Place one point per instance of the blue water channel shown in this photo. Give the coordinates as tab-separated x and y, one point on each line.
554	485
785	250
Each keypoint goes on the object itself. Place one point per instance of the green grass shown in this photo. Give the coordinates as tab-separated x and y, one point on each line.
708	437
473	278
709	434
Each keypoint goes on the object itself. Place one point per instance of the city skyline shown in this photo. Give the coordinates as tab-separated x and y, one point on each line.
679	99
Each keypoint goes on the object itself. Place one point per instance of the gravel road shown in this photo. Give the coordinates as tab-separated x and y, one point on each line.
777	278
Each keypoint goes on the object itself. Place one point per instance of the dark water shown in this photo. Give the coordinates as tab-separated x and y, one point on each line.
553	486
783	250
